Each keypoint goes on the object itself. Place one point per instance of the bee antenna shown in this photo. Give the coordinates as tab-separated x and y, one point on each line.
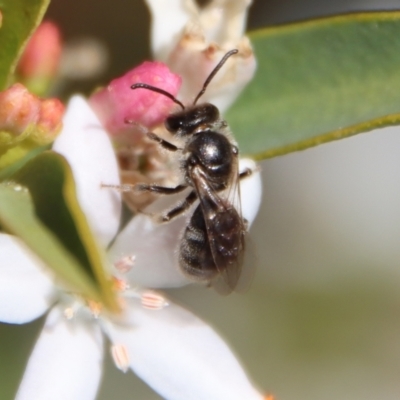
157	90
213	72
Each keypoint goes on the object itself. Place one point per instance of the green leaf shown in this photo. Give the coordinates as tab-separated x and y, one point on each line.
17	216
19	20
55	228
319	81
8	171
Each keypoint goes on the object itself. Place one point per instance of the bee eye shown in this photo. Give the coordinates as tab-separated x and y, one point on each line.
187	121
173	123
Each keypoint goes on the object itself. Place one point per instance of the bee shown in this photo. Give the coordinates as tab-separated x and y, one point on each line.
213	243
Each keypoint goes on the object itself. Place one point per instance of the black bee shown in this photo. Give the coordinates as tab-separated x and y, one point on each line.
213	243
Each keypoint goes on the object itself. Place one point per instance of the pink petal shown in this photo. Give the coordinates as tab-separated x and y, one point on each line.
124	111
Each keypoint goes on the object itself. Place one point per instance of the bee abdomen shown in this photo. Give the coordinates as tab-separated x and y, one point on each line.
195	254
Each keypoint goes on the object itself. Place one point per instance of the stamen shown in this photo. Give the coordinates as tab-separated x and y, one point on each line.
125	264
153	300
270	397
120	285
95	308
120	355
69	313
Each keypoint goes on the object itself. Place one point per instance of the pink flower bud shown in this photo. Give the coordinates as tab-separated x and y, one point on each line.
21	110
18	109
120	108
41	58
50	120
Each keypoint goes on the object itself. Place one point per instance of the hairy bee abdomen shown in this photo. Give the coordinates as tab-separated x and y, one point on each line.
195	254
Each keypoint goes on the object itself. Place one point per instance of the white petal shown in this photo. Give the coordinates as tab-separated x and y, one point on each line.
224	21
193	58
66	362
168	19
229	83
154	247
181	357
250	190
86	146
26	292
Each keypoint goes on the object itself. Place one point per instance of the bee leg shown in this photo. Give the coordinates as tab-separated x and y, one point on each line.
123	188
246	173
142	187
152	136
179	209
163	143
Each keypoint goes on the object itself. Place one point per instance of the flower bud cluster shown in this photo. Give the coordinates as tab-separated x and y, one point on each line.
26	121
24	114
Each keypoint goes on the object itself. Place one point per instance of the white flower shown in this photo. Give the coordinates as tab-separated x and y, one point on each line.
191	41
176	353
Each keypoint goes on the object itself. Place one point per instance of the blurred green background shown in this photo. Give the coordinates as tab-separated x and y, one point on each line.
321	320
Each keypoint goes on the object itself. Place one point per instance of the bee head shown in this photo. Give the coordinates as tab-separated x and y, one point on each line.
187	121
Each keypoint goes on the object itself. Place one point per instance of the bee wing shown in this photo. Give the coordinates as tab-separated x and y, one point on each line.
248	259
232	194
225	231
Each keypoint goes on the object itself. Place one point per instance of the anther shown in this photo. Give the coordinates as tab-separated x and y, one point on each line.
95	308
153	300
125	264
120	285
69	313
120	355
